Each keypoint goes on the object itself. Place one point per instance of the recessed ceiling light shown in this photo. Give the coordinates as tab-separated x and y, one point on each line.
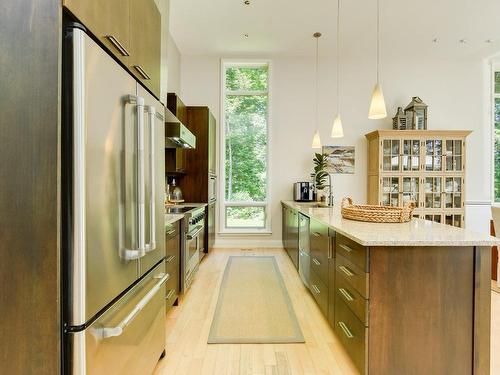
435	40
488	41
245	36
246	2
463	41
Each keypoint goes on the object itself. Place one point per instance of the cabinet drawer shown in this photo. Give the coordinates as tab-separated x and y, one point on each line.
172	285
355	301
352	334
353	251
353	274
173	246
319	249
319	264
172	229
319	291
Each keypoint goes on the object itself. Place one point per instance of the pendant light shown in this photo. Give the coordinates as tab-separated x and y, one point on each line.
316	143
377	105
337	130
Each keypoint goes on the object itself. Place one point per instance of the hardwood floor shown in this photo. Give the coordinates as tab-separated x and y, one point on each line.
189	323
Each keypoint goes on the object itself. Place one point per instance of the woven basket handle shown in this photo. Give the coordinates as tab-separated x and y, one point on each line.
410	207
347	201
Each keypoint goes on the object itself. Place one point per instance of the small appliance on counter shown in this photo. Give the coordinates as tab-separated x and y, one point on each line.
303	192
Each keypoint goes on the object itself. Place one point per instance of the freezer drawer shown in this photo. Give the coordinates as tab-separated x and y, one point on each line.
129	337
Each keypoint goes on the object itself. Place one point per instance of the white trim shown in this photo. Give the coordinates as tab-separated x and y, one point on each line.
222	142
493	67
478	203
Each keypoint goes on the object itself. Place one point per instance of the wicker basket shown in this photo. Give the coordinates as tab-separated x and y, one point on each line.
376	214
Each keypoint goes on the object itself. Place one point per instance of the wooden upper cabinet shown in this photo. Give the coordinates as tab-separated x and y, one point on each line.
130	29
145	43
107	20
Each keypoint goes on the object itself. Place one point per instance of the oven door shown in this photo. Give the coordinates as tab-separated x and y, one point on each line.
192	253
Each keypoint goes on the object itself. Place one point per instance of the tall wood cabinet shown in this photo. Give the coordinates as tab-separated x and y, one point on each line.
423	166
130	30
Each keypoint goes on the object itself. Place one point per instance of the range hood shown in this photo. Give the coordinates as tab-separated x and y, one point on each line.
177	135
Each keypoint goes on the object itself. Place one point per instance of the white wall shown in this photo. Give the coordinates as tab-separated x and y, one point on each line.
173	67
454	91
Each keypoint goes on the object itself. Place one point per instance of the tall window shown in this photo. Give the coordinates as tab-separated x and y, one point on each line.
245	98
496	134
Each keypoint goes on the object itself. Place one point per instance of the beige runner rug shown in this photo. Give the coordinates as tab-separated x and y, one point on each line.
254	306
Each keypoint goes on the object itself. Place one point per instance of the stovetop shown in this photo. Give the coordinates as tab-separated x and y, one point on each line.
179	210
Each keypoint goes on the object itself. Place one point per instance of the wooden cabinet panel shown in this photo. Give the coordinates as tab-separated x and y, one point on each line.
353	274
319	291
352	251
212	144
107	20
351	297
320	249
331	291
145	43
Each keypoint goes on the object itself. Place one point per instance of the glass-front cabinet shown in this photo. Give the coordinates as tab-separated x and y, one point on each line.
426	167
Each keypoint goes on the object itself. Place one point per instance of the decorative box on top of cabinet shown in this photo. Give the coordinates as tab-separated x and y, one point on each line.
423	166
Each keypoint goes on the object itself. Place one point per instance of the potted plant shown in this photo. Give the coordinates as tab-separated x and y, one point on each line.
320	174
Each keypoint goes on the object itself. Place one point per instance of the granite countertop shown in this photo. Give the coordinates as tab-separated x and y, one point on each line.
417	232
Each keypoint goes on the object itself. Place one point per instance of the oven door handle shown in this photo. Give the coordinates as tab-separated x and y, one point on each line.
192	234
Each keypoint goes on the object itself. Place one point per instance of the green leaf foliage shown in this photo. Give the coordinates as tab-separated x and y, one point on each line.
319	170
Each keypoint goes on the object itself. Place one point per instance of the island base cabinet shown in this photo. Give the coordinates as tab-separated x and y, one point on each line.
319	291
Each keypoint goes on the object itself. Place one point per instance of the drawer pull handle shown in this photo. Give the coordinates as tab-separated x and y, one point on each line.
112	39
346	270
170	258
316	262
316	289
346	330
142	72
346	248
170	232
170	294
316	234
346	294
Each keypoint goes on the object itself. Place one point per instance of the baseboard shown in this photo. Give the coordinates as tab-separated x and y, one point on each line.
247	243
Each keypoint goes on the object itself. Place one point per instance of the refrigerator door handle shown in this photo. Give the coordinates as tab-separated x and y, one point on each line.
105	333
151	111
132	254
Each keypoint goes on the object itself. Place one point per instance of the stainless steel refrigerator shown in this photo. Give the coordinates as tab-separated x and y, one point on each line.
113	238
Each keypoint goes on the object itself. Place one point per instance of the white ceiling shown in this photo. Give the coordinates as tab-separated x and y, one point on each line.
285	27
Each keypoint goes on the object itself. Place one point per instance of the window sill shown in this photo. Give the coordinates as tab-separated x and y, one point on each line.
230	233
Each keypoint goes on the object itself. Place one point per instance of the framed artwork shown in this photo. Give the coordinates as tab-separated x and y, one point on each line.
339	159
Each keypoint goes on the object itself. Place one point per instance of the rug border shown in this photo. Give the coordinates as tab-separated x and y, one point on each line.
298	336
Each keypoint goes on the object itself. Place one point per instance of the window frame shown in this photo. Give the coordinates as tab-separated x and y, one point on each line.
495	67
223	229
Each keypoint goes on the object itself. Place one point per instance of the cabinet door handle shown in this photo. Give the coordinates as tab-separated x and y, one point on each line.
316	262
170	232
170	258
116	43
170	294
316	289
346	330
346	294
346	270
316	234
142	72
346	248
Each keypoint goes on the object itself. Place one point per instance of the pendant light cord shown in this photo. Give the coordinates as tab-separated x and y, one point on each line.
338	56
317	63
378	41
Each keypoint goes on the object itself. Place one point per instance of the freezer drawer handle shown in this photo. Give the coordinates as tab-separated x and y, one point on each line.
131	254
118	330
152	196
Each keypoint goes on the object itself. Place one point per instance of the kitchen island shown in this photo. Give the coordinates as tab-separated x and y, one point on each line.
409	298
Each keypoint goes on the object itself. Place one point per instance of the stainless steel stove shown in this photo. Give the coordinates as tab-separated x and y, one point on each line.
194	242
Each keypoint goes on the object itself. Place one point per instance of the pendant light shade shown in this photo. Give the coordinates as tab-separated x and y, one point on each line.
377	105
337	130
316	143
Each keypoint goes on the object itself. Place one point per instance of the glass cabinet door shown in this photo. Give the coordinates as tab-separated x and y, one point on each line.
433	192
390	154
453	155
457	220
434	217
411	187
433	155
411	155
453	192
390	191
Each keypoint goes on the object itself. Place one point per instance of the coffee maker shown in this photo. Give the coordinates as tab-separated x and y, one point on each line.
303	192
